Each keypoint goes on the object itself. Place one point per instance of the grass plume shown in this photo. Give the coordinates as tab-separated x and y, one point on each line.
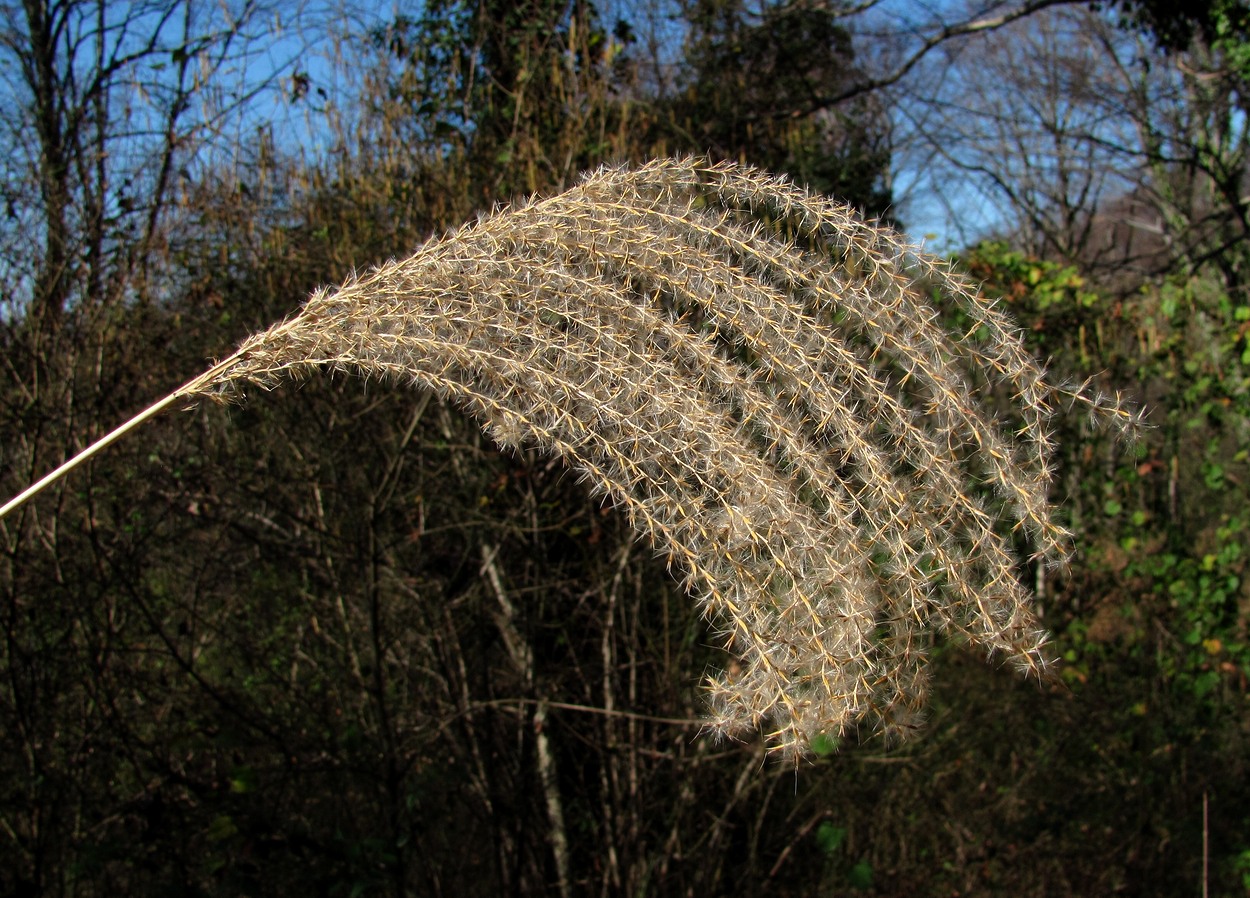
770	388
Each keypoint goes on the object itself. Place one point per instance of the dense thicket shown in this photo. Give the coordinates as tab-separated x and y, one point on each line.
334	640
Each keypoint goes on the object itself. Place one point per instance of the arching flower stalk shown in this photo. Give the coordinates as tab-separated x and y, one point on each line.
770	388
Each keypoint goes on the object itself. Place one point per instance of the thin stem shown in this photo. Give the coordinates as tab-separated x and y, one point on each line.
117	433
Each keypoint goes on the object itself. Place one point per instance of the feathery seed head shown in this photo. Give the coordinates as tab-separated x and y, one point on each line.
787	418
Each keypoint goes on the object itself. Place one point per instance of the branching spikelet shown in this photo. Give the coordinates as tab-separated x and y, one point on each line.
763	383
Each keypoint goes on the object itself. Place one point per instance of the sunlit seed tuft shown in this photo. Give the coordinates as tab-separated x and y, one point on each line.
787	418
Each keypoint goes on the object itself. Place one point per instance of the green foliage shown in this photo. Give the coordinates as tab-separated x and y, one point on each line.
830	837
1176	24
1229	34
840	871
1242	867
1154	616
1171	524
